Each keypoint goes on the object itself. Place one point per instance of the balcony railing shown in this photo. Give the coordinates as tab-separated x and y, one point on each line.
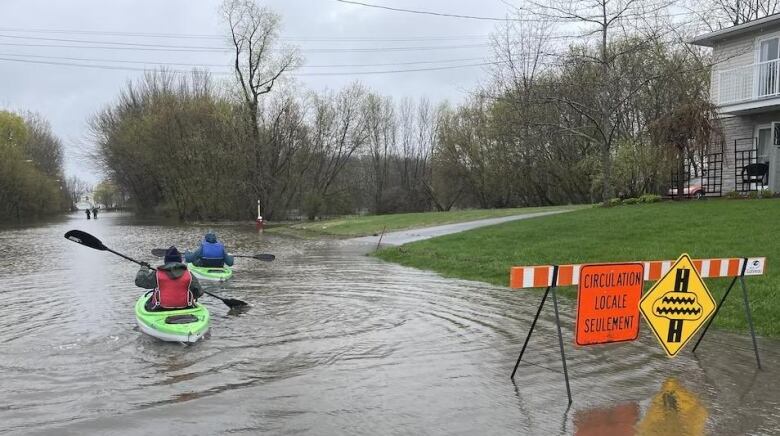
749	82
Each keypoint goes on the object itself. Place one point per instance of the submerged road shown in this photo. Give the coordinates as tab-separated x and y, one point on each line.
406	236
336	343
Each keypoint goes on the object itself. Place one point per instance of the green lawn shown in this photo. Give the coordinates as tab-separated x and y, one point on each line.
703	229
351	226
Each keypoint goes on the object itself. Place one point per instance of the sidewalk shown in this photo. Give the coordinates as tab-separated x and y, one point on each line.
405	236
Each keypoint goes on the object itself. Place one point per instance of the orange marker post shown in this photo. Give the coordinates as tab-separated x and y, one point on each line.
608	303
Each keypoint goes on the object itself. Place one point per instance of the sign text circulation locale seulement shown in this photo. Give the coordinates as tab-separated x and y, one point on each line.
608	303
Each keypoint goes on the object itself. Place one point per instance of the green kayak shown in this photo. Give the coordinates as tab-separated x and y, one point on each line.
179	325
217	274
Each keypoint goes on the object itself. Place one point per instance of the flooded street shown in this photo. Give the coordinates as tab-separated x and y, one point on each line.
335	343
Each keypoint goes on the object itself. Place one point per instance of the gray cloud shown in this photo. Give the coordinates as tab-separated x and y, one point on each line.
67	96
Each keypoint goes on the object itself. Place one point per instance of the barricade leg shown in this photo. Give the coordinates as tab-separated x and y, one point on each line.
717	309
528	337
560	343
552	286
749	319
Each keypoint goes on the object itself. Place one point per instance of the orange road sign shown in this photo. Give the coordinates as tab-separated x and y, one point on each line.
677	305
608	303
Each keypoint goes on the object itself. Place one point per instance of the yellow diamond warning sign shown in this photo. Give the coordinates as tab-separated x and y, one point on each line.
677	305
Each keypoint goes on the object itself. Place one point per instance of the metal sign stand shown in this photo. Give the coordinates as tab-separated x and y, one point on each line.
552	287
741	278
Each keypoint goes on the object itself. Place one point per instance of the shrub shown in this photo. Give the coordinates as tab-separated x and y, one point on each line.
612	202
732	195
767	193
649	198
313	204
631	201
753	195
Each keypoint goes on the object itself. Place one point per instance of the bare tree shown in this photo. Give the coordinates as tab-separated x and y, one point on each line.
600	20
259	61
42	146
76	189
417	134
382	129
338	131
717	14
688	129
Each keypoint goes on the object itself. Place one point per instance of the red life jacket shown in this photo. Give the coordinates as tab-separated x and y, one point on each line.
173	293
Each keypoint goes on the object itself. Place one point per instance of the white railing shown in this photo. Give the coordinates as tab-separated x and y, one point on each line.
749	82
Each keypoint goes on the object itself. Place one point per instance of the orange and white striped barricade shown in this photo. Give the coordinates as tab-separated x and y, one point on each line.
553	276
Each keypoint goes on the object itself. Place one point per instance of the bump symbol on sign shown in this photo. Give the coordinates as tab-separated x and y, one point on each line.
677	305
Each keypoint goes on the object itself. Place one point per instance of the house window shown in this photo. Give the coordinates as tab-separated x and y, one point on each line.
768	73
764	143
776	136
769	50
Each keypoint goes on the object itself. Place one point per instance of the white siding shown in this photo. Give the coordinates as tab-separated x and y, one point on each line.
738	51
736	133
734	53
729	54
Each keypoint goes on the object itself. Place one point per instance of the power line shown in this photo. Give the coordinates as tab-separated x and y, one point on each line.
101	67
196	65
113	33
339	73
473	17
441	61
213	50
360	73
291	38
392	49
14	44
119	43
121	61
438	14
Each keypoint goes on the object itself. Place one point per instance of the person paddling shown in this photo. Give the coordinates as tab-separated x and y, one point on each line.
88	216
174	286
211	253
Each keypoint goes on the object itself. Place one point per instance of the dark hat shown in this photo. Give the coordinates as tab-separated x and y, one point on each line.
172	255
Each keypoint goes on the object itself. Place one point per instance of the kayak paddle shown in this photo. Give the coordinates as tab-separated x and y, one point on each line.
160	252
90	241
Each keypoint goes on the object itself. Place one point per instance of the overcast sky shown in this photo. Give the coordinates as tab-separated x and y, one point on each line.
68	95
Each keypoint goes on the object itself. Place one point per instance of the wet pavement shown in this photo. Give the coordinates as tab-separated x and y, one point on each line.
336	343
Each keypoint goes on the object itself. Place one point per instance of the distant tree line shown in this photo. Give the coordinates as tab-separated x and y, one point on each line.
32	183
574	123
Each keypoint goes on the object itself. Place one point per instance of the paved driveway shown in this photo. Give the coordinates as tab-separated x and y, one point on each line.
405	236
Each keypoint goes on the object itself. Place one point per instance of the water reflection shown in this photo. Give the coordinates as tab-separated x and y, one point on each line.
618	420
674	411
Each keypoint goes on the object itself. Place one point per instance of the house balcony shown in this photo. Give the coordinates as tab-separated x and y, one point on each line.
749	88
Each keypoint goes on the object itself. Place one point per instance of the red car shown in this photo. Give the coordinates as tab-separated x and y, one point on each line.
695	189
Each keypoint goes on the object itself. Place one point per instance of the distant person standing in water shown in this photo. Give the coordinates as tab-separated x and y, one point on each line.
94	212
88	216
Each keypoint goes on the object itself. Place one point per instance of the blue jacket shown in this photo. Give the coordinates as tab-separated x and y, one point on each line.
210	249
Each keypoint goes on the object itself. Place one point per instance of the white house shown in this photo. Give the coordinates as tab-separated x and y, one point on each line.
745	87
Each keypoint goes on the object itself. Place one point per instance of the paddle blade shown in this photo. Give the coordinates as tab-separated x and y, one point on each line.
230	302
159	252
86	239
234	304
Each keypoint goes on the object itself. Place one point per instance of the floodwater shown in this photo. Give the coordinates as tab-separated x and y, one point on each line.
335	343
